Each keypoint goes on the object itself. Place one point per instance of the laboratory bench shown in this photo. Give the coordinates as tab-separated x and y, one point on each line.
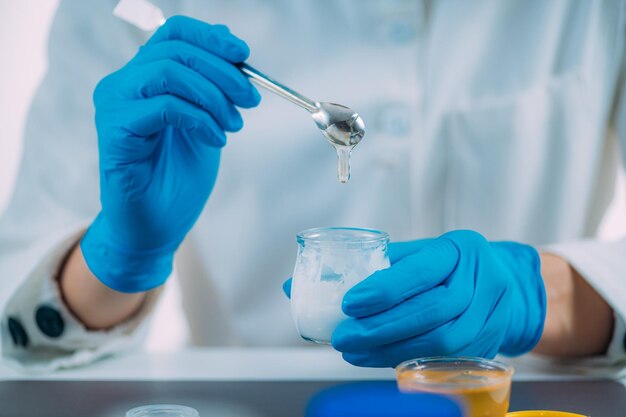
264	383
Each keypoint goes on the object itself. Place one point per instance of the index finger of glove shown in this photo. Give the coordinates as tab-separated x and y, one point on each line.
226	76
412	275
287	288
216	39
413	317
400	250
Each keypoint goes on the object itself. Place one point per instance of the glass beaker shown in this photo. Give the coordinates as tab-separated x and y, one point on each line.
163	410
483	386
331	261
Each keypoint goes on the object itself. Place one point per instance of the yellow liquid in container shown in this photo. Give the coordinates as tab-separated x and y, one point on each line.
483	391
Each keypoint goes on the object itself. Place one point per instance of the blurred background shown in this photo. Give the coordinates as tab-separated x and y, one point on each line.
24	27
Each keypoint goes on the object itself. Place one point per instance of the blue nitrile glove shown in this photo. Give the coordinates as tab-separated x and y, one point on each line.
161	122
457	295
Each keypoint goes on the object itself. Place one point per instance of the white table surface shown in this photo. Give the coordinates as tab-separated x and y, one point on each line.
236	364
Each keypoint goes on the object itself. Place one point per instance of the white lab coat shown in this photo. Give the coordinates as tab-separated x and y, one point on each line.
500	117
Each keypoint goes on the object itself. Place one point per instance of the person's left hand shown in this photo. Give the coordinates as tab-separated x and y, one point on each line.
457	295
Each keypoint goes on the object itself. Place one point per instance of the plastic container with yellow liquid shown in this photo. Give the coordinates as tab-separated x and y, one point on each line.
482	386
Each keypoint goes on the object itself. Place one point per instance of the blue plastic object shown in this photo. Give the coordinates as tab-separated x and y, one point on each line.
161	121
378	399
457	295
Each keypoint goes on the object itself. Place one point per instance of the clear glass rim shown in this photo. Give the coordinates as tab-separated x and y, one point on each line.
362	236
423	364
142	411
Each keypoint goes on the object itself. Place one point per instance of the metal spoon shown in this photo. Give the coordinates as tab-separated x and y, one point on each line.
342	126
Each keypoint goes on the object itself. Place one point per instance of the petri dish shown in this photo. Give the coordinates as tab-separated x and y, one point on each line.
482	386
163	410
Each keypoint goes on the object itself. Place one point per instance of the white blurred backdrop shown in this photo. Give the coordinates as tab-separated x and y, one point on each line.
24	26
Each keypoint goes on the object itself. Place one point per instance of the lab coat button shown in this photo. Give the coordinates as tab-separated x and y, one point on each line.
49	321
395	120
18	334
399	31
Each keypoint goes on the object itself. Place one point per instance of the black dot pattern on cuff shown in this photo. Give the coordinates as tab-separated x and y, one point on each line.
49	321
18	334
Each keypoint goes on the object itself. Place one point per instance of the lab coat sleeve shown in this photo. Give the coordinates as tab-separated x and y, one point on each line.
603	266
56	195
40	333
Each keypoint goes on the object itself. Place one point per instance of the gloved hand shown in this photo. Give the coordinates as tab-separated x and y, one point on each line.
161	122
457	295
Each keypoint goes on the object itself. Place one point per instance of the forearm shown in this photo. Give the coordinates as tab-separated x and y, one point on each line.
93	303
578	320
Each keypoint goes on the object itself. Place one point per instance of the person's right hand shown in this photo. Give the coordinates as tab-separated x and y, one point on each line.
161	122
